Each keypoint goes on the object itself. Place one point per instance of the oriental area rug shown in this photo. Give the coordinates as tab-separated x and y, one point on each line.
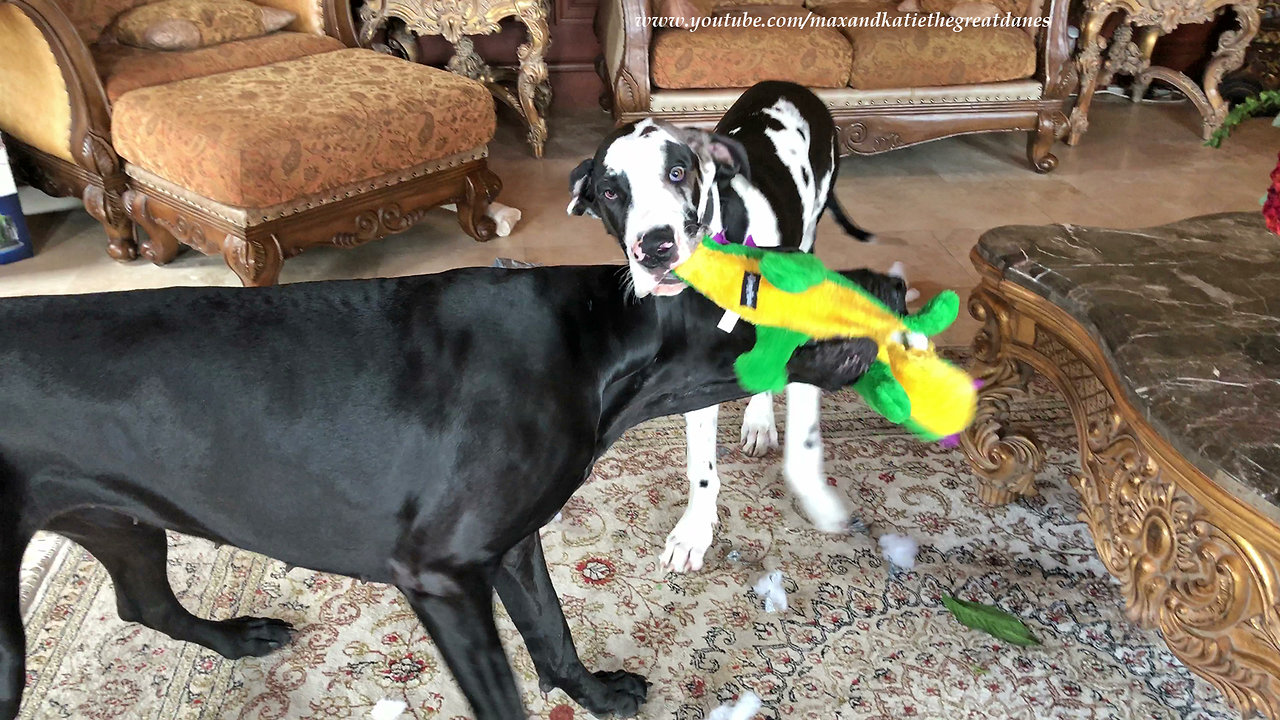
856	641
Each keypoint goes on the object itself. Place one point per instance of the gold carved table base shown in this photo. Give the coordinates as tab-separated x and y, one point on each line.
1148	21
1192	560
526	90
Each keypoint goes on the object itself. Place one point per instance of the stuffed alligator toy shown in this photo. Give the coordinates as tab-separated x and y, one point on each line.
792	298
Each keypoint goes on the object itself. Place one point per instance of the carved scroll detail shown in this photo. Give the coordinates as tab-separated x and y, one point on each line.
1191	561
1005	460
1209	591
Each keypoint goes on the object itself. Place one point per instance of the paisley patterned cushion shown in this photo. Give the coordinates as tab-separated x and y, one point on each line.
732	57
125	68
905	57
91	17
270	134
191	24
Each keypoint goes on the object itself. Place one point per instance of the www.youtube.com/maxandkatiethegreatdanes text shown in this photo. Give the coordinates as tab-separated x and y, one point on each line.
882	19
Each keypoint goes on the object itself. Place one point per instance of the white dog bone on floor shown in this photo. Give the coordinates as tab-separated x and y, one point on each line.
769	587
388	710
745	709
504	217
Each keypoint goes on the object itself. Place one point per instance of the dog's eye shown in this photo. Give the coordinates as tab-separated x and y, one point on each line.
610	195
676	174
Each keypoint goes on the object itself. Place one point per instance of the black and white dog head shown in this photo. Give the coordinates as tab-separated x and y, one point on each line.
653	186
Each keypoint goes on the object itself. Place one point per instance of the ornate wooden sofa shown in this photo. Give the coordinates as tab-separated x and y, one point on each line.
254	149
887	87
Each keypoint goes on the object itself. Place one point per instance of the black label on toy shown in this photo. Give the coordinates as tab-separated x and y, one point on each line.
750	290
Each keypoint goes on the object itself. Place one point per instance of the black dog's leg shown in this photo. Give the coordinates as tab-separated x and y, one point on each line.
13	643
526	590
13	646
135	556
460	621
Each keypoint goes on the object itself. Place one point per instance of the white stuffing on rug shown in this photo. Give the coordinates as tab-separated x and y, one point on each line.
769	587
899	550
745	709
388	710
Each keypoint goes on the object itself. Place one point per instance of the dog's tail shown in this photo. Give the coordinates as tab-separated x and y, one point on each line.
844	222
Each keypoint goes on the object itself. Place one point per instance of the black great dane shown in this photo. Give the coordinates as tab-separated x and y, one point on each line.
415	431
763	177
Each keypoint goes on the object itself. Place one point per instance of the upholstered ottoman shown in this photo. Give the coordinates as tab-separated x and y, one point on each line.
1166	344
337	148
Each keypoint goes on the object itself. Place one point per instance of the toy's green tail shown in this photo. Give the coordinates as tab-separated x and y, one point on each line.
936	315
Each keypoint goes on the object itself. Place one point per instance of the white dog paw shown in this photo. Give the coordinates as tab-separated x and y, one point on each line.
827	510
759	439
687	544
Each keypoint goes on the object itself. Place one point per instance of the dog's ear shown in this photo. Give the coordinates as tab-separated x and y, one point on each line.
728	155
582	196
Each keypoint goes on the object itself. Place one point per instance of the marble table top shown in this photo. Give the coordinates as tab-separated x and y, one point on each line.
1189	317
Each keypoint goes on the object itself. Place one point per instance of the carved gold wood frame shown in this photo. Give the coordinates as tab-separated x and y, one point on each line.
455	20
1153	18
1192	560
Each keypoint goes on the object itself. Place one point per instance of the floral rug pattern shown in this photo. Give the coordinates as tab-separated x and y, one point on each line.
856	641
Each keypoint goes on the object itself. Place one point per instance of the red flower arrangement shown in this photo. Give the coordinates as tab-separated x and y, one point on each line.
1271	208
1265	102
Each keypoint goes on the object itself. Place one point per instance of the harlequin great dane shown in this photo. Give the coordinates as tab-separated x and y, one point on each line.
762	177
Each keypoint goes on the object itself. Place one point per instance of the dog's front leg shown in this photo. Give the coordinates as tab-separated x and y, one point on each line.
688	542
803	459
457	609
13	646
525	589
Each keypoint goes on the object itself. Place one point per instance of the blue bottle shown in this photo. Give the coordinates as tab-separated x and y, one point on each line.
15	239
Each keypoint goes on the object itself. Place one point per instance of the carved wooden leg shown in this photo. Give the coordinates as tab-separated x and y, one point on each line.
1229	56
373	20
108	209
1092	44
482	188
257	262
1004	460
1146	45
1040	142
160	246
534	85
1121	49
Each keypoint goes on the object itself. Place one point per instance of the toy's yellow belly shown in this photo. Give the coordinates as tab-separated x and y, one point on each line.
823	312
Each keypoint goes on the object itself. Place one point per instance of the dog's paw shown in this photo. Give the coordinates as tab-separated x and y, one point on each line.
619	694
688	543
759	433
825	508
250	637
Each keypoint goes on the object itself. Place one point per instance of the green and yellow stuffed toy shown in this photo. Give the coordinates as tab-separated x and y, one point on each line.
792	298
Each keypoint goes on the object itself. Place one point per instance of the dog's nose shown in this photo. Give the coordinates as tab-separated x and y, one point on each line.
657	247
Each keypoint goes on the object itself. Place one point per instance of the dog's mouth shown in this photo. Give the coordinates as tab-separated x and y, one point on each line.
669	285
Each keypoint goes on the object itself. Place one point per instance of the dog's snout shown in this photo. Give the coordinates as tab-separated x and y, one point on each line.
657	247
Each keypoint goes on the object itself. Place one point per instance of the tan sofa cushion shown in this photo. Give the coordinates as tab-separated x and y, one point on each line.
731	57
271	134
125	68
192	24
905	57
91	17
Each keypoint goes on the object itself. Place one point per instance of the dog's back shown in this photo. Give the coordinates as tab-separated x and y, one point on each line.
790	140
